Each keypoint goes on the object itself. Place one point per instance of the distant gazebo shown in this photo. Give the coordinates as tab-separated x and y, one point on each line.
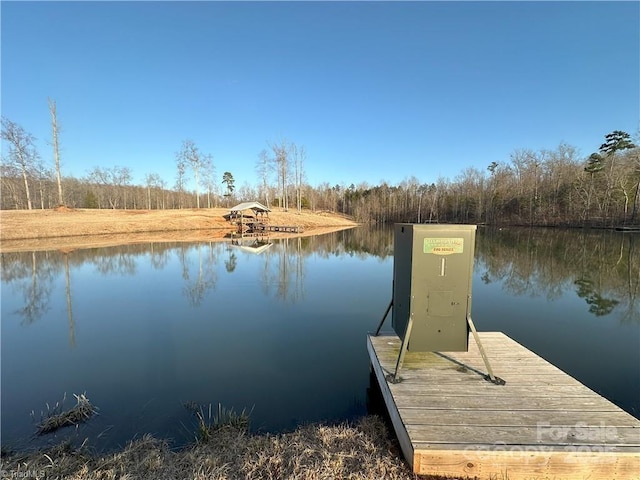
237	213
256	207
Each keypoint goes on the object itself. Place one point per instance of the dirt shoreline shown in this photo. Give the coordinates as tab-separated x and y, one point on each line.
69	229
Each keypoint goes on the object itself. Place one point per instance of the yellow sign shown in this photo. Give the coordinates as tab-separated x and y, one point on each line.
443	246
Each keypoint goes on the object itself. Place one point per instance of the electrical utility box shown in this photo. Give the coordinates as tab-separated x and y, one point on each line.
432	275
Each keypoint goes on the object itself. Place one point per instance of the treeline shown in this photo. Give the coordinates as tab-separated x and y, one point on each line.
27	182
546	187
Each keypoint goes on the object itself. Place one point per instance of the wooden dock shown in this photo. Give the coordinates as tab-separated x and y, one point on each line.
263	227
543	424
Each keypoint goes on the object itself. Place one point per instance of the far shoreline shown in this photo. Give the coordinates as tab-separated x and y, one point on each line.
81	242
73	229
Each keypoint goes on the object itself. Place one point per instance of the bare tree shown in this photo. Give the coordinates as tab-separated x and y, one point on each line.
10	186
162	185
42	176
264	169
246	192
180	179
299	156
56	148
113	182
122	179
190	155
208	178
636	170
22	152
150	181
281	151
100	179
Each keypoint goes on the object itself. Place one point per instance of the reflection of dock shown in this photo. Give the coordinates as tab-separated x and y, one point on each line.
629	228
263	227
255	246
247	234
542	424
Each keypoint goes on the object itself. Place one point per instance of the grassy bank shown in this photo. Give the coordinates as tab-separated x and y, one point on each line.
65	228
362	450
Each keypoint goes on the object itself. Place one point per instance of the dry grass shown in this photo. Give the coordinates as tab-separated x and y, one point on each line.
81	228
209	420
359	451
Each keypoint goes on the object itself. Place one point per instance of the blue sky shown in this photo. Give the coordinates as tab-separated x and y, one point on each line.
373	90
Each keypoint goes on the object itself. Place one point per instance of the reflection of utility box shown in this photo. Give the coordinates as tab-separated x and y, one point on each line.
432	276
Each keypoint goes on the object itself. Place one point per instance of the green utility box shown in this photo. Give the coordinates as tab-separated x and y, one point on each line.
432	274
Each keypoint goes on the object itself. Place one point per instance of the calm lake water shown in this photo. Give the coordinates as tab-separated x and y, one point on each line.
280	330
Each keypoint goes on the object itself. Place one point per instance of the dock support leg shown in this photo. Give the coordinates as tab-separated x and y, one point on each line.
403	350
492	378
383	318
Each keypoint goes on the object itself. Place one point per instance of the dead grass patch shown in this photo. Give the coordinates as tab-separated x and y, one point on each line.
347	451
56	418
210	420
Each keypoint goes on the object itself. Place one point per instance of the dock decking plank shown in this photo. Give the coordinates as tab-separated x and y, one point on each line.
515	402
519	418
553	435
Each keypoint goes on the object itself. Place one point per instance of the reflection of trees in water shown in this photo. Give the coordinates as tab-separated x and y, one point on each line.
158	257
32	274
72	325
231	262
598	305
283	268
205	278
632	274
122	263
603	267
123	259
361	242
376	240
